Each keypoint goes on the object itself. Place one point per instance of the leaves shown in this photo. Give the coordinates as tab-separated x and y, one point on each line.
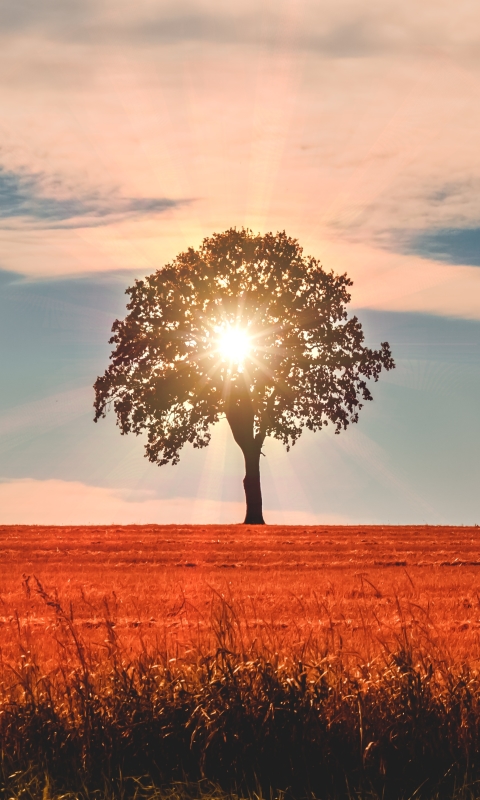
307	364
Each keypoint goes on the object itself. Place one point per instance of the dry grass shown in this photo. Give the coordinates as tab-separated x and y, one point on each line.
330	661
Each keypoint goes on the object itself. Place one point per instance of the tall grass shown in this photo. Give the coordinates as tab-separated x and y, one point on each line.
238	711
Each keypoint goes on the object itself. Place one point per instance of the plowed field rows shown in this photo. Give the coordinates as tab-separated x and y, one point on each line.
273	547
364	585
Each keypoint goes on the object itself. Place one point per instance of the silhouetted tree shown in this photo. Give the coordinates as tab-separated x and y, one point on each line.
245	327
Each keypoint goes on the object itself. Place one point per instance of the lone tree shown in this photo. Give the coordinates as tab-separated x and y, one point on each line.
245	327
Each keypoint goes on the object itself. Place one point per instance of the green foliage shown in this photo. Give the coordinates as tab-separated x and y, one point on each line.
308	364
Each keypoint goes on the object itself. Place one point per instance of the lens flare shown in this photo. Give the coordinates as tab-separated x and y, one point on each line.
234	345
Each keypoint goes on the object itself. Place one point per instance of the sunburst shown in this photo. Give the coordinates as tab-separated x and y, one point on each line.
234	345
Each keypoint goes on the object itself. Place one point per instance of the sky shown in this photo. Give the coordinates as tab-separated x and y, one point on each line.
130	131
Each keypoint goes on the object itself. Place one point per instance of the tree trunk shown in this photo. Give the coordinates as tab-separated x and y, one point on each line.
240	416
253	491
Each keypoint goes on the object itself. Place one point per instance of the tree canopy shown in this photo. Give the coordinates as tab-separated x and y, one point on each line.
305	363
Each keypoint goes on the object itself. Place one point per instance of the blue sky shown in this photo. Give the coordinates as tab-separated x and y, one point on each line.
131	131
413	457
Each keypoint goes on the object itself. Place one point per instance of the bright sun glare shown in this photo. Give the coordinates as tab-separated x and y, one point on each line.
234	345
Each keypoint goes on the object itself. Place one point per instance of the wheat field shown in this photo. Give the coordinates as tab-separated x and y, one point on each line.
315	661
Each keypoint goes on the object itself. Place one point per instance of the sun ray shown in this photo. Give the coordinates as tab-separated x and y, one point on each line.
234	345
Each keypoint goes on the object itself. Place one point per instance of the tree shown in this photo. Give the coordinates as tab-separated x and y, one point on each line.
245	327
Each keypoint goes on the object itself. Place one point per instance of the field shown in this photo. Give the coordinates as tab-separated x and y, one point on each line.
373	630
363	582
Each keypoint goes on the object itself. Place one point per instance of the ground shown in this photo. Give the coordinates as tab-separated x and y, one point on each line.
361	588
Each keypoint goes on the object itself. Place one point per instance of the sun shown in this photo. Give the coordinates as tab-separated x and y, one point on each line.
234	345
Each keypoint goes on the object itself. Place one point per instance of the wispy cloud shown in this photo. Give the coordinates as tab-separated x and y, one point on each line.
350	37
350	28
23	197
49	15
416	215
450	245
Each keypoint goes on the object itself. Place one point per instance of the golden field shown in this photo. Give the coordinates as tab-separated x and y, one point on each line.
362	584
324	661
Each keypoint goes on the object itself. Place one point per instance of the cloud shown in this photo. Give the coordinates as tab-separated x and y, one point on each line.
348	29
415	215
450	245
49	15
23	198
55	502
346	39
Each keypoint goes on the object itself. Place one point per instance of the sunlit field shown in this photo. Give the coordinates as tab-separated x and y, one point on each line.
312	660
